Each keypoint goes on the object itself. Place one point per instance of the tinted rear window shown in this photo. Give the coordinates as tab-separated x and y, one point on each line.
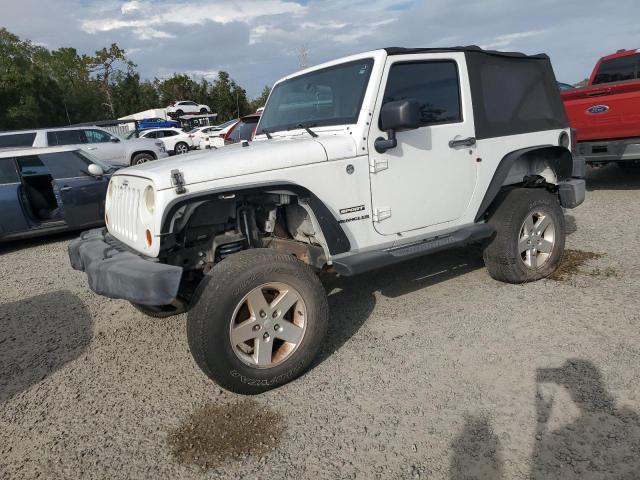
17	140
513	95
65	137
618	70
8	173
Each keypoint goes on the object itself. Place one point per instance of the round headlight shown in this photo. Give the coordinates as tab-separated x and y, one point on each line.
149	197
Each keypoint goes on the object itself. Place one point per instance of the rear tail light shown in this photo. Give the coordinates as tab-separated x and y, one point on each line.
149	238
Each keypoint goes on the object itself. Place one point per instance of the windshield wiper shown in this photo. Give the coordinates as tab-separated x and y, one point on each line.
306	127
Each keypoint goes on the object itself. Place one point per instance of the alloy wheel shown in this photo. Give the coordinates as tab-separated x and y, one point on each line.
268	325
537	239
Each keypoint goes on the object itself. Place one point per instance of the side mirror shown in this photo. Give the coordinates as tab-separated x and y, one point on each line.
397	116
114	140
95	170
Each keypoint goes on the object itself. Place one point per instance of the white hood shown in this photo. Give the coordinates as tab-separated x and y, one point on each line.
236	160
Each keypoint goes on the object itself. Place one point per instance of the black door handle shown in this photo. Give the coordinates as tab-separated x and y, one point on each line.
465	142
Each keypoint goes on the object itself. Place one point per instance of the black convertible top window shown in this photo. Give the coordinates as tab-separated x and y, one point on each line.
513	94
17	140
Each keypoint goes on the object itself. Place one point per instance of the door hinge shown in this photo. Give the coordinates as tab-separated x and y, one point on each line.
380	214
377	165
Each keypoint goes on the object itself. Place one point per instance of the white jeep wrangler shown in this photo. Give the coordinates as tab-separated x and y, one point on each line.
356	164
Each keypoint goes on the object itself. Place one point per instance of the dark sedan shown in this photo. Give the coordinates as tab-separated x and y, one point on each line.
48	190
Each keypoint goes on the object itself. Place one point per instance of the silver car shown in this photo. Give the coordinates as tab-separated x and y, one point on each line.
100	143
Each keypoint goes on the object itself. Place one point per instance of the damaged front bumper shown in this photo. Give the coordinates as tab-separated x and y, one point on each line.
115	271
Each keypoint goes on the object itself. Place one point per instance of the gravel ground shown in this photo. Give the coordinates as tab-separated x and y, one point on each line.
431	370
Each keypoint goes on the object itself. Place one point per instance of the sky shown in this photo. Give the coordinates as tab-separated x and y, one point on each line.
258	41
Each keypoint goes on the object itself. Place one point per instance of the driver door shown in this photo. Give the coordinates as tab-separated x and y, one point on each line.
81	196
103	146
424	181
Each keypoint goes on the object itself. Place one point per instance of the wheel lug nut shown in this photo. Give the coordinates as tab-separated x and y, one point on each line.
276	327
262	314
275	314
256	328
265	336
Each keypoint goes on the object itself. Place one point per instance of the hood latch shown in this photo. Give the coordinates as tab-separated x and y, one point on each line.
177	180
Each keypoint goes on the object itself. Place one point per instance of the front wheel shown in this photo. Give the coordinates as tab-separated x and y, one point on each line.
181	148
258	320
530	233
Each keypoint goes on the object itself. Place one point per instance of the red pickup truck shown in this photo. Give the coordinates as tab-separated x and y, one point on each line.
606	113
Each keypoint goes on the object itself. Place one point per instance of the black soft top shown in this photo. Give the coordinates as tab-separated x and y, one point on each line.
468	48
512	93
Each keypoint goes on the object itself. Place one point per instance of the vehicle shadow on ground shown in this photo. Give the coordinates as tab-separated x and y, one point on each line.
352	299
16	245
601	441
39	335
612	177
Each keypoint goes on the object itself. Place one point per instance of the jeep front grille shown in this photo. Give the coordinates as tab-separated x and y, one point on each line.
124	210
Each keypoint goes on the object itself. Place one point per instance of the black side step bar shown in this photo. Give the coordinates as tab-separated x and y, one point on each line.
363	262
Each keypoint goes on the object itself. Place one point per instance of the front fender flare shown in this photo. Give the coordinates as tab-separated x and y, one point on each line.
336	238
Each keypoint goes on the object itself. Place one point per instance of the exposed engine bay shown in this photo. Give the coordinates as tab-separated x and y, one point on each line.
204	233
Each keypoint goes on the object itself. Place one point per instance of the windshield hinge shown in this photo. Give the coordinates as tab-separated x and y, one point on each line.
377	165
177	180
380	214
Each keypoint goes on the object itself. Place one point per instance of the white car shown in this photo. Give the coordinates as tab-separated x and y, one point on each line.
181	107
357	164
175	141
211	136
102	144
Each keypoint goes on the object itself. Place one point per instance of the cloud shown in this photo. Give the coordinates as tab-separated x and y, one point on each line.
256	41
503	41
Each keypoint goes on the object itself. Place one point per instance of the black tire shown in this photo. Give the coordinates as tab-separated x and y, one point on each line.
222	291
204	111
179	113
502	256
141	158
158	312
181	148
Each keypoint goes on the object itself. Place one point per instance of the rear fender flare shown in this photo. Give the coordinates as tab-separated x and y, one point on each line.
559	159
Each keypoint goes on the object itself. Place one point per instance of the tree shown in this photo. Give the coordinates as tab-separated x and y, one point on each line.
131	95
43	88
105	64
229	99
28	96
262	99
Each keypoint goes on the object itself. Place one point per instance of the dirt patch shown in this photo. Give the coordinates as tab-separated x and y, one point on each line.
571	263
214	434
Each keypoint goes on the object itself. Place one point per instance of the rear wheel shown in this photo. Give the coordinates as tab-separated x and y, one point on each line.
530	235
204	111
258	321
181	148
141	158
179	113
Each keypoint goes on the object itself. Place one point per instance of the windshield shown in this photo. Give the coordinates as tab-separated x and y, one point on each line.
331	96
